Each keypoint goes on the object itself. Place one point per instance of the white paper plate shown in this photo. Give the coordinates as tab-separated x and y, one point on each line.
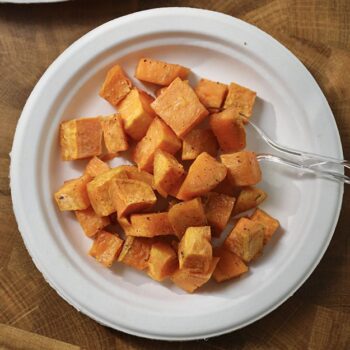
291	108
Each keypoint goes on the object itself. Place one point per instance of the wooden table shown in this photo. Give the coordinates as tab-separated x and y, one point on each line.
32	315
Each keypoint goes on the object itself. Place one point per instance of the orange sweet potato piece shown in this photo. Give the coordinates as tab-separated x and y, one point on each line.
160	91
95	167
198	141
271	224
162	261
91	222
248	198
106	248
187	214
246	239
242	168
228	128
158	72
133	173
80	138
211	93
204	174
113	134
158	136
180	107
116	85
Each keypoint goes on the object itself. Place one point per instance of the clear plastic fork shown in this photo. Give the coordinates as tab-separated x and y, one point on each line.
305	161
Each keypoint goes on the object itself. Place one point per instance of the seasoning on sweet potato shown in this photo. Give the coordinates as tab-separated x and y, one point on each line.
116	85
113	134
198	141
158	136
211	93
95	167
130	196
180	107
228	128
80	138
190	280
218	208
106	248
246	239
204	174
159	72
248	198
136	113
187	214
229	266
242	168
271	224
162	261
73	195
240	97
168	172
91	222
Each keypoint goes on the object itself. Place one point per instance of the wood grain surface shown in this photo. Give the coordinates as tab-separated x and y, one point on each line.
31	37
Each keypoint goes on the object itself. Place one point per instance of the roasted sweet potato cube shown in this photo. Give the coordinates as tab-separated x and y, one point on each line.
190	280
198	141
211	93
95	167
116	85
158	136
180	107
246	239
195	250
228	128
242	168
162	261
91	222
158	72
150	225
106	248
73	194
271	224
135	252
130	196
240	97
187	214
218	208
113	134
160	91
125	224
229	266
133	173
80	138
136	113
168	172
204	174
248	198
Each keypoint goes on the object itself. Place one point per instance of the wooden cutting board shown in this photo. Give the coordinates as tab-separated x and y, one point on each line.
31	37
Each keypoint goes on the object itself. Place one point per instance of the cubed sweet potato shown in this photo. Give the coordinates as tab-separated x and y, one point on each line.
248	198
180	107
242	168
158	136
95	167
218	209
228	128
271	224
229	266
106	248
190	280
73	194
80	138
116	85
198	141
162	261
211	93
136	252
240	97
187	214
130	196
168	172
113	134
204	174
91	222
136	113
159	72
133	173
160	91
246	239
